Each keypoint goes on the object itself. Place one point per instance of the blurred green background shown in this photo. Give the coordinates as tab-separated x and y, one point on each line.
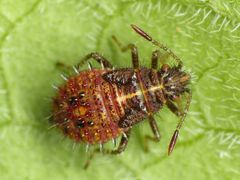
35	34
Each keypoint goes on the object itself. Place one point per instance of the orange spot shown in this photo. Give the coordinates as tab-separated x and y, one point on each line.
80	111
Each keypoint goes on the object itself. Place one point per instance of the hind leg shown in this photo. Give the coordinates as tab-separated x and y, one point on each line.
156	133
87	163
121	147
97	57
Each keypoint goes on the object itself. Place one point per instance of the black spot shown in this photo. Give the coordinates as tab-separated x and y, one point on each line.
90	123
73	101
80	123
66	129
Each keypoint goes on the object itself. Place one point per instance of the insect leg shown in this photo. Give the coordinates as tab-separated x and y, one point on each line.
134	51
123	143
96	56
121	147
156	43
90	157
158	55
65	68
155	56
178	112
155	131
179	125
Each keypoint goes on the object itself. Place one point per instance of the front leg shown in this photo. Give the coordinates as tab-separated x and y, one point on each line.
177	111
133	49
121	147
157	55
154	62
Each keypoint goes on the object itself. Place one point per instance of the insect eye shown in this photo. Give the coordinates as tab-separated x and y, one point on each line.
73	100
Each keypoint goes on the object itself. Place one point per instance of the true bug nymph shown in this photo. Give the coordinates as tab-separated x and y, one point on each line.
98	105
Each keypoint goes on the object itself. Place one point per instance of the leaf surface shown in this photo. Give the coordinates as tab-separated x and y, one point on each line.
35	34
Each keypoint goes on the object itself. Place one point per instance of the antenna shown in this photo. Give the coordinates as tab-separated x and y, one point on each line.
156	43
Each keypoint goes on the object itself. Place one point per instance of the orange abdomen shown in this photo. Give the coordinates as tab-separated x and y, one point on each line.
87	109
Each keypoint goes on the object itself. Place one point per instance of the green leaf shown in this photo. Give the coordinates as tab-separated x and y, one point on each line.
35	34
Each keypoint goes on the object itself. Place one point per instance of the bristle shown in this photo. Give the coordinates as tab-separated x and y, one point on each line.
101	147
90	66
75	70
114	142
54	87
48	117
87	148
124	135
64	77
102	65
53	126
74	146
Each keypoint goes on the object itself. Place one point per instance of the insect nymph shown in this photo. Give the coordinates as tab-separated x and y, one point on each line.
99	105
